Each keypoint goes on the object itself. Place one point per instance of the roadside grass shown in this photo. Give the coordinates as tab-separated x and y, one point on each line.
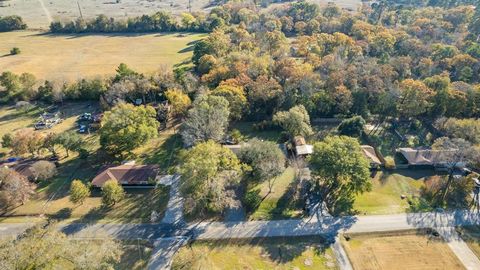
471	236
72	57
399	250
264	253
387	188
135	255
280	203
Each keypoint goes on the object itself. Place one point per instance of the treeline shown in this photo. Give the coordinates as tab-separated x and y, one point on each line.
159	22
11	23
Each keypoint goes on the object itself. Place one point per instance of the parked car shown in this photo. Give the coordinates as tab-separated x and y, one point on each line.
82	129
85	117
42	125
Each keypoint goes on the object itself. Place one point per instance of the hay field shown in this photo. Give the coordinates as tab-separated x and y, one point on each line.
39	13
399	251
63	57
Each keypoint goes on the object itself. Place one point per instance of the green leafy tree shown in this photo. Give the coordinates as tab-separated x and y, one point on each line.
7	140
79	192
45	247
341	171
352	126
208	170
265	158
295	121
123	71
112	193
206	120
126	127
70	141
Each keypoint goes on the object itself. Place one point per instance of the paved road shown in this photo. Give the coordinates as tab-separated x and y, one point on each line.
326	226
164	251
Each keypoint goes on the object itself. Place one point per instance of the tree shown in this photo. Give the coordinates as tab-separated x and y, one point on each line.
123	71
15	51
179	101
112	193
295	121
126	127
45	247
352	126
79	192
454	153
7	140
27	141
265	158
236	98
43	170
208	170
341	171
14	187
206	120
70	141
415	98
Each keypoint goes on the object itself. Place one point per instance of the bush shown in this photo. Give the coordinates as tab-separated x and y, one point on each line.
389	163
15	51
11	23
252	200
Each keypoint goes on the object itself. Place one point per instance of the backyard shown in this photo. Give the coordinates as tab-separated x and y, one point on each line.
399	250
86	56
271	253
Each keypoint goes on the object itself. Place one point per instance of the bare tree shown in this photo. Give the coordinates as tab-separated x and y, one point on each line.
454	154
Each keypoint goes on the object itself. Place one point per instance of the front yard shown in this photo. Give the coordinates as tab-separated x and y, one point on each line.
271	253
399	250
281	203
387	189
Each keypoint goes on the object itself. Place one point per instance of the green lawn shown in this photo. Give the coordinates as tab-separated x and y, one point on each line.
384	198
280	203
247	129
272	253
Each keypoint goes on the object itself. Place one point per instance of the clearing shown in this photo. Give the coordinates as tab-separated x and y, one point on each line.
400	250
70	57
387	188
271	253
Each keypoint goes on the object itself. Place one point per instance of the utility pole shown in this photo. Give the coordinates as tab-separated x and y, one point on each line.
190	6
80	10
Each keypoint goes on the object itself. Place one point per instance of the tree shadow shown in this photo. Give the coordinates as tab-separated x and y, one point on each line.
166	155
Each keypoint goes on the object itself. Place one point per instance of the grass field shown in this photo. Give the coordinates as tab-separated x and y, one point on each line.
64	57
291	253
279	204
384	198
409	250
